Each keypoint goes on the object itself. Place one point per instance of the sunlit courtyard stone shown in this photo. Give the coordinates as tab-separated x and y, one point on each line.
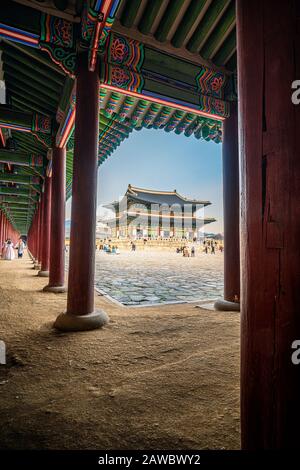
153	277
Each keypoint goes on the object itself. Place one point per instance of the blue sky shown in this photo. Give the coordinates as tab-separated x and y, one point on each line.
159	160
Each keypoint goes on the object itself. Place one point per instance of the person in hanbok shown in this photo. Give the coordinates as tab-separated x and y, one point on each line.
9	252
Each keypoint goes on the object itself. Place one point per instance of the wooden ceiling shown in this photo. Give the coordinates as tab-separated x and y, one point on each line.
199	30
179	42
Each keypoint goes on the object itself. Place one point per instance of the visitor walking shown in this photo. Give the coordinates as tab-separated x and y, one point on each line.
186	252
20	246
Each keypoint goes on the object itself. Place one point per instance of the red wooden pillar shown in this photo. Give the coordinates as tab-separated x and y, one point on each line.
268	63
5	228
1	230
57	233
41	232
31	239
231	212
28	241
45	248
35	235
37	245
81	314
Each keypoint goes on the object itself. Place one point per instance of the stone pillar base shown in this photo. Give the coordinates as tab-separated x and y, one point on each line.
43	273
226	306
55	289
92	321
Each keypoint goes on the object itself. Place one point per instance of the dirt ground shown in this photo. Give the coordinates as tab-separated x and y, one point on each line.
154	378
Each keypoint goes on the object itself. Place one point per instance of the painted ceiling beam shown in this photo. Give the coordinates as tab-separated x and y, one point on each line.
32	143
113	126
17	84
190	17
18	191
20	179
27	86
28	26
96	25
130	12
36	188
24	121
168	19
225	25
27	171
14	67
166	47
159	77
16	202
67	9
46	108
172	103
67	120
227	49
25	147
150	13
120	127
16	210
30	58
20	158
21	103
206	24
19	201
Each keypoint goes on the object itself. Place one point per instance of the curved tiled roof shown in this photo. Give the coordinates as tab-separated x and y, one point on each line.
150	196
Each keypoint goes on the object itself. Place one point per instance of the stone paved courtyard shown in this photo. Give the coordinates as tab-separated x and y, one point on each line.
154	277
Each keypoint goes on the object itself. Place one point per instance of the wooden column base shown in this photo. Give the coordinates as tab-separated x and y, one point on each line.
55	289
43	273
226	306
92	321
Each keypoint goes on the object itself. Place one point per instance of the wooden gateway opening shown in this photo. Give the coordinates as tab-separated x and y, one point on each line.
80	76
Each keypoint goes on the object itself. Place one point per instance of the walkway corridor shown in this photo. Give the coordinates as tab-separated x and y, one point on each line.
164	377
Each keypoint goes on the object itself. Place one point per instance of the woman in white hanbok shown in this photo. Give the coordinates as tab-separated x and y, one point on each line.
9	252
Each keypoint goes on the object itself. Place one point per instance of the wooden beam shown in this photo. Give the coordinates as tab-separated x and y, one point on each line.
20	179
20	158
167	47
24	121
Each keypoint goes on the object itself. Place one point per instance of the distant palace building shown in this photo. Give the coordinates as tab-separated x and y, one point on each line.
146	213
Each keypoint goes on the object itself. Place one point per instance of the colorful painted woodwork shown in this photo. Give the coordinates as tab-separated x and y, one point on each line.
143	84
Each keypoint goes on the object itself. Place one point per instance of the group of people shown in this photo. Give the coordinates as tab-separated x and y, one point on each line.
108	248
8	249
210	246
186	251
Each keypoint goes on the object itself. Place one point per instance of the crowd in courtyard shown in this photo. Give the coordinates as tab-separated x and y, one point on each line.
186	248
